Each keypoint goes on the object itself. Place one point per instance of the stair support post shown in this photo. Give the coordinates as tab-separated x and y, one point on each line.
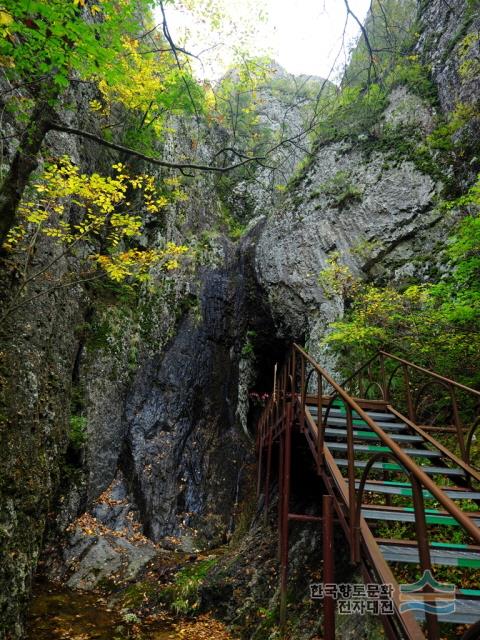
458	424
281	464
284	530
351	489
267	475
383	378
320	429
408	394
423	549
328	567
259	466
302	394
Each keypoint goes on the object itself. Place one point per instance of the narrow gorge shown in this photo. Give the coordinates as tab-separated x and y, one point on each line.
138	343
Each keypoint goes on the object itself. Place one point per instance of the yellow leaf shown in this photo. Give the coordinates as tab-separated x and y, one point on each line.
5	18
7	61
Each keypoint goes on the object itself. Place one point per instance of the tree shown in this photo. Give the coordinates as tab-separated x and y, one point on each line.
47	46
386	36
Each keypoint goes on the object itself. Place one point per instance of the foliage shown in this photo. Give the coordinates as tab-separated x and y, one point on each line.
354	112
153	89
248	349
109	218
340	189
59	38
445	137
470	64
238	100
415	76
264	108
365	248
183	596
56	43
390	26
45	48
78	431
337	279
230	223
436	323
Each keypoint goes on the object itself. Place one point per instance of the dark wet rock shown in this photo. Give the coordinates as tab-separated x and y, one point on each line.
183	448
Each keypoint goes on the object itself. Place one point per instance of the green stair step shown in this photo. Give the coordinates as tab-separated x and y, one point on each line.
386	426
445	554
364	448
375	415
404	489
407	514
466	612
392	466
371	435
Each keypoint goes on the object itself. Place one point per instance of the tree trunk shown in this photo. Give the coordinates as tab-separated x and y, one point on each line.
23	165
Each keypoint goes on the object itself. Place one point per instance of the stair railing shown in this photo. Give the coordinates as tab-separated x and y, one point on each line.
420	525
449	505
366	377
272	423
290	406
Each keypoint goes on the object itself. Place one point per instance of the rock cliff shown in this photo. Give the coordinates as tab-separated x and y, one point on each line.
157	382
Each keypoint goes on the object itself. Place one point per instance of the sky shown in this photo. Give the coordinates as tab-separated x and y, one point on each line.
304	36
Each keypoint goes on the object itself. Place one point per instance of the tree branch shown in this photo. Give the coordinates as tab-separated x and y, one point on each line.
365	37
175	49
58	126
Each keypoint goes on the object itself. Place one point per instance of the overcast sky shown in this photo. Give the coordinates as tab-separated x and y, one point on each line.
304	36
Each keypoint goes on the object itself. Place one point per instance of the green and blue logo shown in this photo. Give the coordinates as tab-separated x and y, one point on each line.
428	595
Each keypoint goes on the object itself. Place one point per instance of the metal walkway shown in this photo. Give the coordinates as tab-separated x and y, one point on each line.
403	498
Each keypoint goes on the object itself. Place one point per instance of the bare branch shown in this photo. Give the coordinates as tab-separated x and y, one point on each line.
58	126
365	37
175	51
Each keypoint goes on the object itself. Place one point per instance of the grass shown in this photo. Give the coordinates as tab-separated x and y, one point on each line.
183	594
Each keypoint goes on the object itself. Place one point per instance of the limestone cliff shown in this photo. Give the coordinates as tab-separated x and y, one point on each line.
160	378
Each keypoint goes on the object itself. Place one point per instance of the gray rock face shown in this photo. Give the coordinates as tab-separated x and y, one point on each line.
161	397
106	558
444	26
75	352
376	214
38	348
362	209
105	387
106	544
287	103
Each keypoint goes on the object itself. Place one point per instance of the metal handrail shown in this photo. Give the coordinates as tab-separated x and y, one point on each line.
434	378
428	372
404	459
420	524
433	374
276	422
359	370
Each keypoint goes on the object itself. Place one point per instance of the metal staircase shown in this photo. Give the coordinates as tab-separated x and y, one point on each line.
371	443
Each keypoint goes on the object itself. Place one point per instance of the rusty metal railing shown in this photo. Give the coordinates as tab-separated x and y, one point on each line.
289	406
369	377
